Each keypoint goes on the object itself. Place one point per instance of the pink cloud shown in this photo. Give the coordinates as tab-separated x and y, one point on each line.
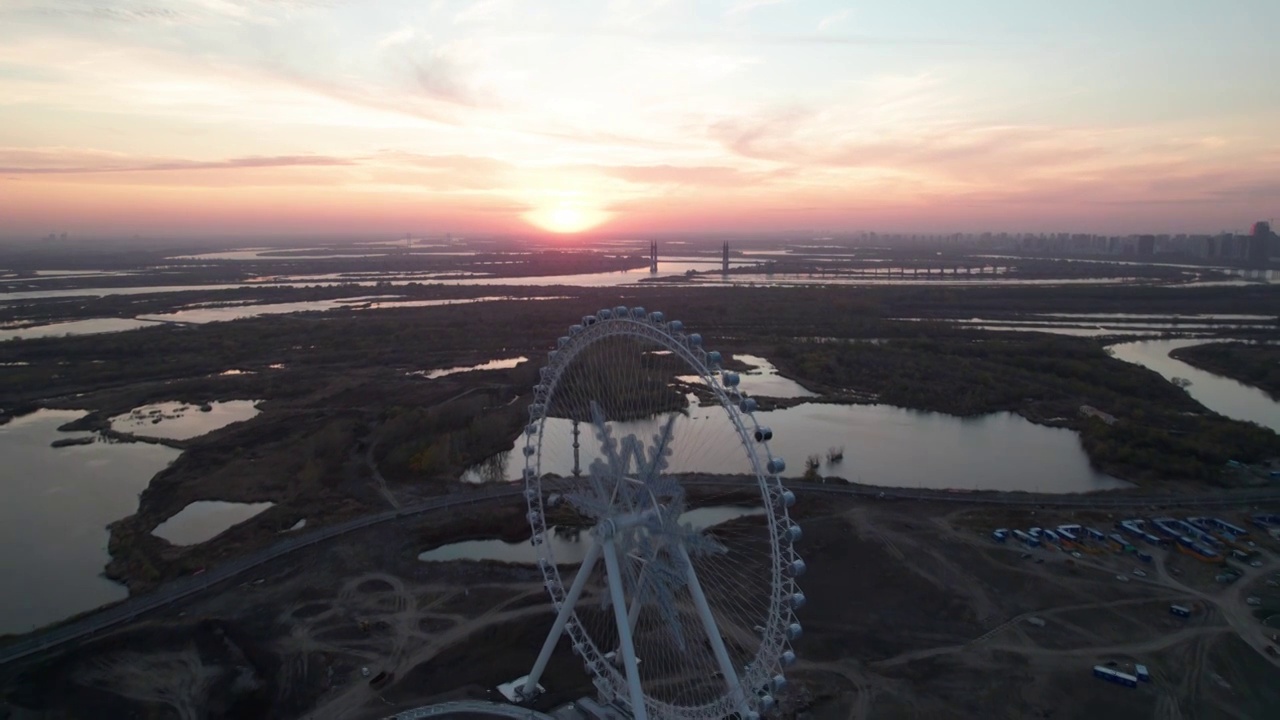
21	161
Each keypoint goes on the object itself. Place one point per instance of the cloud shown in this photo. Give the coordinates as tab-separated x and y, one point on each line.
441	73
438	172
955	150
628	13
437	78
383	171
703	176
960	163
145	11
745	6
22	161
858	40
421	105
745	136
483	11
397	37
833	19
116	13
602	138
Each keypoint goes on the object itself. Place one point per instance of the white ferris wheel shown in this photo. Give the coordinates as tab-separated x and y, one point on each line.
674	616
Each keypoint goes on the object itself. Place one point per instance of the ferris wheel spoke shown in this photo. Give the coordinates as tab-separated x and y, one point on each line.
709	627
607	442
562	617
657	461
638	711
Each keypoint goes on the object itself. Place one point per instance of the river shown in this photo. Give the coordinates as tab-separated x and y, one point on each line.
1222	395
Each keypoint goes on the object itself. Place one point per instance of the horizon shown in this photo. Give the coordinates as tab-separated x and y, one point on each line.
242	119
587	239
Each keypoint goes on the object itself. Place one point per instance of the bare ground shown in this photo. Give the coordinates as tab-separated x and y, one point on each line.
913	612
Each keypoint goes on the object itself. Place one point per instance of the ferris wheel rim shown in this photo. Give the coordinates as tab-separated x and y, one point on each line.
774	644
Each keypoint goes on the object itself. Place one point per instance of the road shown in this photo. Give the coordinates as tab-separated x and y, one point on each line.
182	588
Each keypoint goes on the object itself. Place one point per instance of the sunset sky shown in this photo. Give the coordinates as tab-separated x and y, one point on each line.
202	117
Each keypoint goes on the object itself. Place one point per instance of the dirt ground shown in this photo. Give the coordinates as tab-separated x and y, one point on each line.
913	612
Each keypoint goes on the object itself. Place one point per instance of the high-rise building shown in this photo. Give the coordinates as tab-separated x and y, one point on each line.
1260	241
1146	245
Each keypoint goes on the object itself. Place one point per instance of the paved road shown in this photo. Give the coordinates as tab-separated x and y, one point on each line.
471	708
129	610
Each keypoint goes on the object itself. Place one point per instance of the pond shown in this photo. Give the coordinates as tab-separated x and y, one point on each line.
568	548
761	380
55	505
205	520
882	445
1221	395
182	421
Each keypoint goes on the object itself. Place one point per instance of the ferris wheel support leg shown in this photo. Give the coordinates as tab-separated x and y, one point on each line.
713	631
634	613
624	630
562	616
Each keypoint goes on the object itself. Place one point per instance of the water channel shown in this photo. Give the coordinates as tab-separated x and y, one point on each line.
73	327
503	364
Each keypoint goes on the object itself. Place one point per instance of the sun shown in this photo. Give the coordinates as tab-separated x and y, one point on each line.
566	217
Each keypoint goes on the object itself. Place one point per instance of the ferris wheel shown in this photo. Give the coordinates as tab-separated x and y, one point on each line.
676	612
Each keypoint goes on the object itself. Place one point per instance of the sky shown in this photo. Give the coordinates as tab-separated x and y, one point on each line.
202	117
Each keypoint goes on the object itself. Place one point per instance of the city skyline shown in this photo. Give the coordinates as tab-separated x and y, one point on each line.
208	117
